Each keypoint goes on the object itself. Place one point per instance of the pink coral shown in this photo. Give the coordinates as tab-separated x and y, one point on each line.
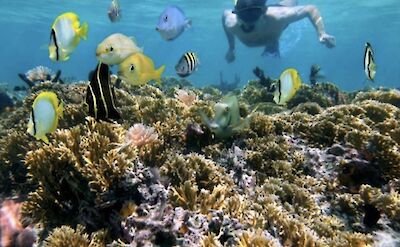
186	96
12	233
139	135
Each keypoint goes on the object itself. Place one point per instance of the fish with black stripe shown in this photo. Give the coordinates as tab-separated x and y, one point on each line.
188	63
66	33
286	87
100	95
369	63
45	113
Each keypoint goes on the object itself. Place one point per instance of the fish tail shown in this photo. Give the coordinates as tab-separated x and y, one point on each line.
188	23
60	110
83	30
44	138
159	73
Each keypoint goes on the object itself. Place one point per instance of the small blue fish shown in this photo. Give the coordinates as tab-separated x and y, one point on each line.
172	23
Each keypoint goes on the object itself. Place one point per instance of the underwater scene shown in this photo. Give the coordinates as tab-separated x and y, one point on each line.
200	123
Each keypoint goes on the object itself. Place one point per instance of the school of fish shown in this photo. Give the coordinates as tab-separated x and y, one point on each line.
136	69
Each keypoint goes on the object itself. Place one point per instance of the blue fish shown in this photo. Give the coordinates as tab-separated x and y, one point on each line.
172	23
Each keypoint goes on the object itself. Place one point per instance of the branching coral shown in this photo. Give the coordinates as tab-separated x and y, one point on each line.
186	97
66	236
84	179
284	180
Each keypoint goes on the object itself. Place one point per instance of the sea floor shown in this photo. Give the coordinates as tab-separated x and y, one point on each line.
322	171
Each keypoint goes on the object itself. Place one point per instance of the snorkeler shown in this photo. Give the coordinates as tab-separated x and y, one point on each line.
256	24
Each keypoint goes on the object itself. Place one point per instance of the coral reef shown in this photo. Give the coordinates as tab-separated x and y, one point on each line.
323	171
12	231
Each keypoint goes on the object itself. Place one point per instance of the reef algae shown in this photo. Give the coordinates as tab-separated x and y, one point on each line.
302	177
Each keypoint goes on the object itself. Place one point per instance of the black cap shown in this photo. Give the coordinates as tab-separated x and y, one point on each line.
246	4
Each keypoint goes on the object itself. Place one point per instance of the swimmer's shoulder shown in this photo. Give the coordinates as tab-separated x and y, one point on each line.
230	19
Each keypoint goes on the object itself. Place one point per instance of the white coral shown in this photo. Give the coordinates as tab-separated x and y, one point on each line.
39	73
186	96
139	135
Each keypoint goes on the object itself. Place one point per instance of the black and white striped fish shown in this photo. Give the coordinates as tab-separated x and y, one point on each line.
369	63
187	64
100	95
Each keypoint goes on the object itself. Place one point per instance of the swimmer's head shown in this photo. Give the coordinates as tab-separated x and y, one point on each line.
249	10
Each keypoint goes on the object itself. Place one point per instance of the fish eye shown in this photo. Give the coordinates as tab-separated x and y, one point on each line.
132	68
166	18
111	48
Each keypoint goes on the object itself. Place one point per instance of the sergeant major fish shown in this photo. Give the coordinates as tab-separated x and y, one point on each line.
187	64
45	112
138	69
116	48
114	11
172	23
100	95
65	36
369	63
288	84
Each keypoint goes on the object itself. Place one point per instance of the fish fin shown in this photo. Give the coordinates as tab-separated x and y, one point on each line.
188	23
113	113
60	109
43	138
205	119
159	73
83	30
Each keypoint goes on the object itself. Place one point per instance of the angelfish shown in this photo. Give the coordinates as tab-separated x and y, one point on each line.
369	63
66	33
100	96
172	23
286	87
45	112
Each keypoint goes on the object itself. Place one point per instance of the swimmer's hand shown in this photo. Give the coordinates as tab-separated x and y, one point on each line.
230	56
328	40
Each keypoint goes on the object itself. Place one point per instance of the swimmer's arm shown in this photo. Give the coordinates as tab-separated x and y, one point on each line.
293	14
229	35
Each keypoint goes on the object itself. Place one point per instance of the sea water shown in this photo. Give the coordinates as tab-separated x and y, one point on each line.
25	32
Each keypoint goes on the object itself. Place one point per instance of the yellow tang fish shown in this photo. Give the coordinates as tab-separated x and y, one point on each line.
138	69
45	112
65	36
287	86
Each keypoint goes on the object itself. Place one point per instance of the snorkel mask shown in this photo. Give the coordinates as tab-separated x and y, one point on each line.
249	10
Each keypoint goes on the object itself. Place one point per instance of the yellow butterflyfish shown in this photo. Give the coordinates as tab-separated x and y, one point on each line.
66	33
45	112
287	86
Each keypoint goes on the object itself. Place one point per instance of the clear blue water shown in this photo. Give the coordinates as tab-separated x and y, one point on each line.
25	27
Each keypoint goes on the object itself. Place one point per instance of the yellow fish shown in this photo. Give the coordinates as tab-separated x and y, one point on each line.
287	86
65	36
138	69
45	112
